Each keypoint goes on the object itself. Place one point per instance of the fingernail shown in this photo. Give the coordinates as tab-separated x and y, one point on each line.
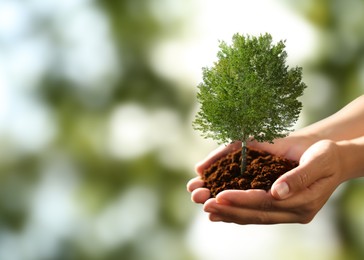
197	167
222	201
215	218
211	210
282	189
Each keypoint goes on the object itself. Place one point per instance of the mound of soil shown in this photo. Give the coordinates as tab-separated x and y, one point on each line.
262	170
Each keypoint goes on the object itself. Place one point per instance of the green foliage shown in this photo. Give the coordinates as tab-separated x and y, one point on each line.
75	167
249	92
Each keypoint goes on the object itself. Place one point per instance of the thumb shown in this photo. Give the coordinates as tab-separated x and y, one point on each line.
216	155
313	165
296	179
292	182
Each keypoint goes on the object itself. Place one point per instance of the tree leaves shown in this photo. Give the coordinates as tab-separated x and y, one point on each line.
249	92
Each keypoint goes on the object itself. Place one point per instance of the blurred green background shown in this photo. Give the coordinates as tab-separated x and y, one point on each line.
96	144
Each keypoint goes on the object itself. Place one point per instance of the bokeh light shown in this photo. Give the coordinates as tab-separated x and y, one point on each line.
96	145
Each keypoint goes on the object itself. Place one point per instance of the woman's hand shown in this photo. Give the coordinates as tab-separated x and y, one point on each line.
299	194
291	147
295	197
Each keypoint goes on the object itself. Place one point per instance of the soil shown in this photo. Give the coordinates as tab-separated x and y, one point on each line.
262	170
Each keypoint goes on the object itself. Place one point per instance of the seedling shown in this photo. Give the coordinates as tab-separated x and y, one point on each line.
249	93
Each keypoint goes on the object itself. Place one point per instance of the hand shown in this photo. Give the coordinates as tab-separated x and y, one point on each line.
295	197
195	185
291	147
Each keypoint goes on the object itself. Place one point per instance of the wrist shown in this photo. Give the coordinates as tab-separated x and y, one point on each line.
305	138
351	155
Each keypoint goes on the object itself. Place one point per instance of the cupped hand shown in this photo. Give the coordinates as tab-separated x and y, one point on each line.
195	185
291	147
296	197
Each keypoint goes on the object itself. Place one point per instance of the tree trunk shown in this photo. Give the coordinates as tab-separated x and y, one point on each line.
243	157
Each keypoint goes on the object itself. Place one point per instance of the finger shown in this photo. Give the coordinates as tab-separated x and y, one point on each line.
215	155
296	180
249	216
262	146
228	213
315	164
303	176
259	206
195	183
291	182
200	195
244	198
262	200
290	147
255	199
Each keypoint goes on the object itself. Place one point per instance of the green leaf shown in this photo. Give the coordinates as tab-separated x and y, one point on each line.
249	92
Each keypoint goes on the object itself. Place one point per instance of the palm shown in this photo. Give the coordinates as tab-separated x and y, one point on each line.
291	147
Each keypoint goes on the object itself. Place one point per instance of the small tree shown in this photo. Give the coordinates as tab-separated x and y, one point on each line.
249	92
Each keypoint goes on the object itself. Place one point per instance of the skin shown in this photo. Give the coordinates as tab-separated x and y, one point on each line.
329	152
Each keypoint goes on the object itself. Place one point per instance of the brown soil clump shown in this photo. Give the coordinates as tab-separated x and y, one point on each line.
261	172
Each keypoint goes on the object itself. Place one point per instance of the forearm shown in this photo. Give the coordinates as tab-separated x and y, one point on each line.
346	124
351	154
